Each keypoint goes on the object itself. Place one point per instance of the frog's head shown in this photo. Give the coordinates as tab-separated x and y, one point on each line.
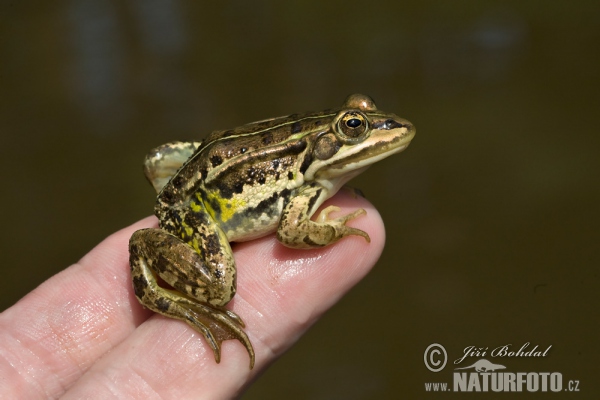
359	136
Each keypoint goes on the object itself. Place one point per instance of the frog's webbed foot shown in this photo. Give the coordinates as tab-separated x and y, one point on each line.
217	325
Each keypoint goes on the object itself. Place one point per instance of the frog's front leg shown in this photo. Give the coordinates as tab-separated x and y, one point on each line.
296	229
202	290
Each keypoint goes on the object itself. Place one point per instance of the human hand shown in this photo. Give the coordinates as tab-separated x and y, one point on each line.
83	334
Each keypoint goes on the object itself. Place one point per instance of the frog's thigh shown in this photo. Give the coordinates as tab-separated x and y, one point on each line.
173	260
296	230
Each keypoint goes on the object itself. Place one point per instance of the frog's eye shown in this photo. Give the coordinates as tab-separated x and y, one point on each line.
353	123
352	126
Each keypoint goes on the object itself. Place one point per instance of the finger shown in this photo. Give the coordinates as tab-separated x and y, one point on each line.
55	333
281	292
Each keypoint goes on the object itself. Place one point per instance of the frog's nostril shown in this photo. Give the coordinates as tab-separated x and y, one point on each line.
392	124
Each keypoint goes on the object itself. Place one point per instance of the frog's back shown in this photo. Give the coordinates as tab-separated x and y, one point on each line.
243	177
227	144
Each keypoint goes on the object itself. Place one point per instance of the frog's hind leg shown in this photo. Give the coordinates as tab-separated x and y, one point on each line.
148	259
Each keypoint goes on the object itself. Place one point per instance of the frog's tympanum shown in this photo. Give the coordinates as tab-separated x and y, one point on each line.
241	184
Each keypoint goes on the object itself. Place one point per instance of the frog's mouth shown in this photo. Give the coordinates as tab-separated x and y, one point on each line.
349	165
361	157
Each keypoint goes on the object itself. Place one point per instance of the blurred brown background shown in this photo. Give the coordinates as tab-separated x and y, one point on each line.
491	214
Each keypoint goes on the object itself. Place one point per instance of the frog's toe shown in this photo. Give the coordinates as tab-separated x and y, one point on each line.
339	224
217	325
236	318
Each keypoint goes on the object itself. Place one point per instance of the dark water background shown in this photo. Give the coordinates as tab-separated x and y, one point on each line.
492	213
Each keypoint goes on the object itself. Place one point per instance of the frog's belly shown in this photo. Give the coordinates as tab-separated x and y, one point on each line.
253	223
244	236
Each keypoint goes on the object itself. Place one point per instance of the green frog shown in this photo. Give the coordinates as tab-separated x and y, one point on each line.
244	183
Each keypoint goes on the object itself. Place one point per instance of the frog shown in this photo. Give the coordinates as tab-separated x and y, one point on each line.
236	185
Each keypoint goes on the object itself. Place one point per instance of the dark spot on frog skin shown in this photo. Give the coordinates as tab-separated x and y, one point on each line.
216	160
203	172
167	195
177	181
290	175
267	138
161	264
280	238
296	127
234	183
267	203
162	304
139	285
168	217
134	254
238	187
211	244
165	225
218	274
313	199
309	242
226	190
216	206
256	174
298	147
306	163
195	218
275	164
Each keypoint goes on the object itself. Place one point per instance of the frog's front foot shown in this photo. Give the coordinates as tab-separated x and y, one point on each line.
155	252
339	224
296	230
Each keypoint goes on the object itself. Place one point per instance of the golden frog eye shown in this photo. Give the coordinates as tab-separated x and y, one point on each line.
352	125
